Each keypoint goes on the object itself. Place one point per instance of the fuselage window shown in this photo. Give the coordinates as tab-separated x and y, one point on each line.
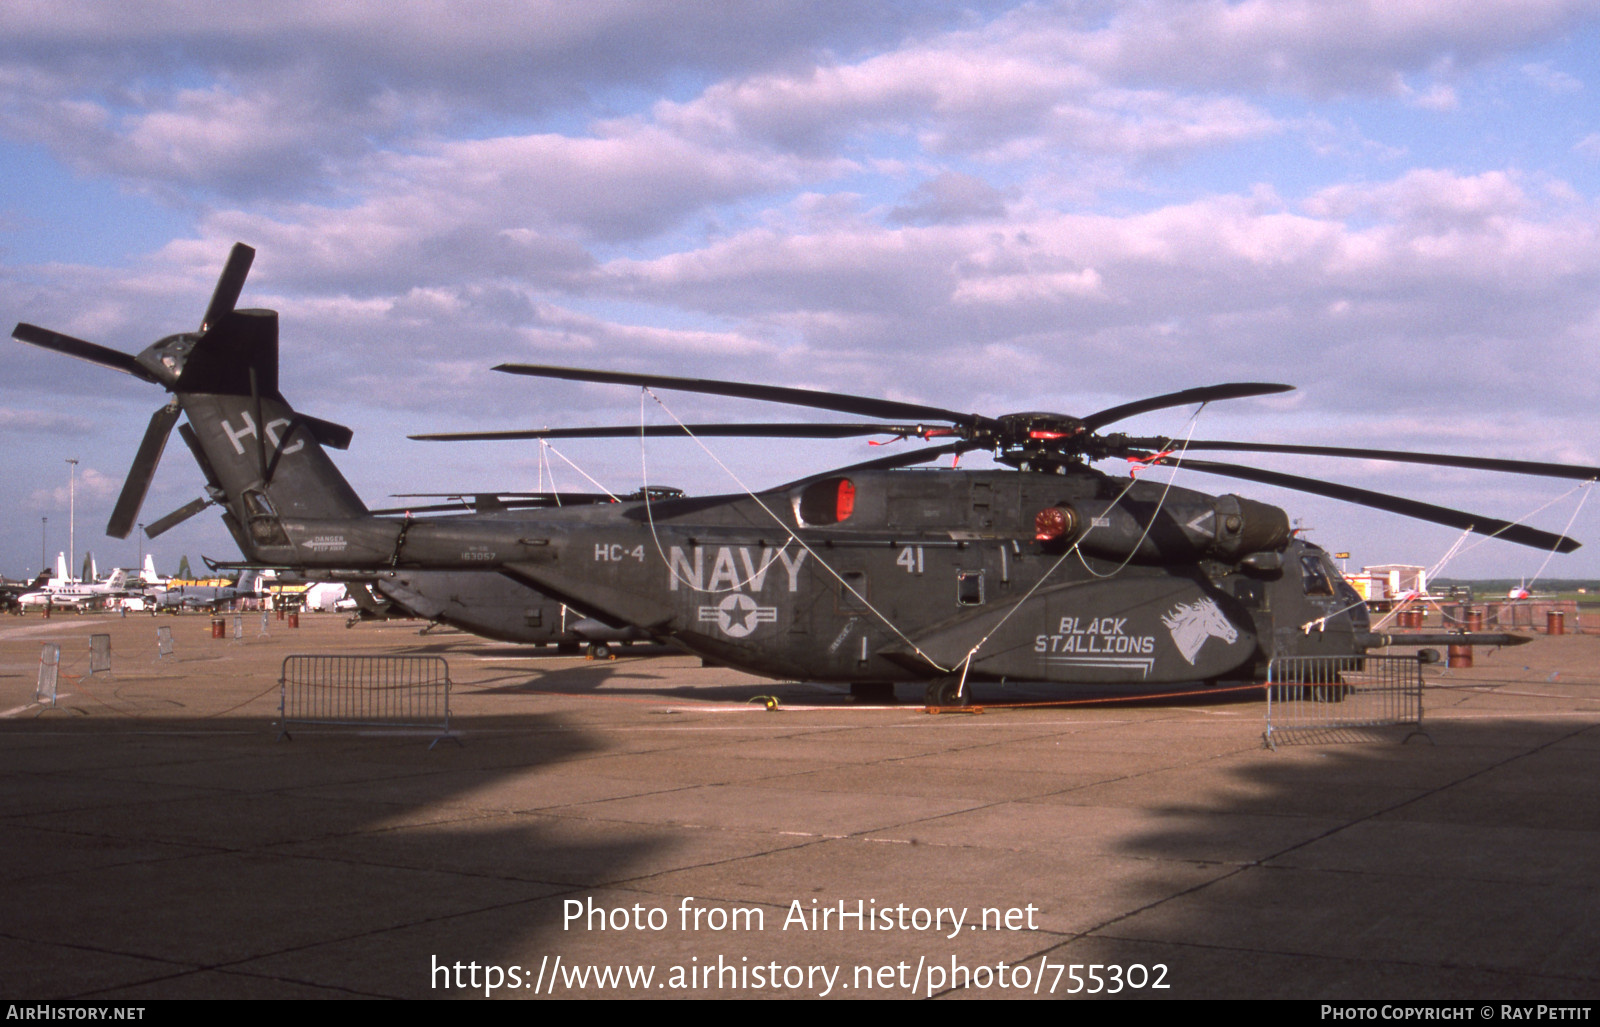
853	592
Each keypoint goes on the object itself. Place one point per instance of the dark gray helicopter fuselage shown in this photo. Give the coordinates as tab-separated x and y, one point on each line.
877	576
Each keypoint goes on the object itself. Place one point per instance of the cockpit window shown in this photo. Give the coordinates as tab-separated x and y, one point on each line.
1315	578
830	501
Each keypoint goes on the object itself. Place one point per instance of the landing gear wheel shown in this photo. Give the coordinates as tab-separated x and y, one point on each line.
598	651
947	692
875	692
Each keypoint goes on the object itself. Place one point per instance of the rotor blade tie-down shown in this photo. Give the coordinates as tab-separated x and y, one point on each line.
644	483
1177	463
546	444
1460	545
1570	521
1142	462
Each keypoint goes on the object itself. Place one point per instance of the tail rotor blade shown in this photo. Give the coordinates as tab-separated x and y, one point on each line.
229	285
143	469
176	517
90	351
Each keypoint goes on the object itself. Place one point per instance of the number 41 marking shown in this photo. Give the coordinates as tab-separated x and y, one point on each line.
911	559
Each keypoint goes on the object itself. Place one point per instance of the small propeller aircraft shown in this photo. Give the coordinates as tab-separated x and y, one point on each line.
11	592
64	593
1046	570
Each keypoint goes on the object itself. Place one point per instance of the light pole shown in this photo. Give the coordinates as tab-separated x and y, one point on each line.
44	543
72	514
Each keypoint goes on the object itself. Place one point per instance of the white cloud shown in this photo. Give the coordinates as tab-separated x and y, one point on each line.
1552	80
1323	47
44	422
92	488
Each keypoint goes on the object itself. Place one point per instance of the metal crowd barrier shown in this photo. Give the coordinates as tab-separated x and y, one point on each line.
1326	698
99	654
365	691
49	674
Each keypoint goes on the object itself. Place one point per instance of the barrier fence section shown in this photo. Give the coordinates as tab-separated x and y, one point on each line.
49	674
1311	694
99	654
365	691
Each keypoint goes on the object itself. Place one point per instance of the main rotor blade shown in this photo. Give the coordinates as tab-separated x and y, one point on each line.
864	406
1203	394
143	469
1518	533
772	430
90	351
909	458
175	518
1548	470
229	285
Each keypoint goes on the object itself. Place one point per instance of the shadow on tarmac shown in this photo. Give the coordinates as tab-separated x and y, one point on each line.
177	857
1462	869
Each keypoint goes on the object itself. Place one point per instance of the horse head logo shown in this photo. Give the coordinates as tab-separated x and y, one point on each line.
1192	623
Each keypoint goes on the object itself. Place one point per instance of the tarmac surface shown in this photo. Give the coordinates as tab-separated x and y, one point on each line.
649	815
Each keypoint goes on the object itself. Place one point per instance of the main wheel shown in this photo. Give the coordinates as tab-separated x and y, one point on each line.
947	692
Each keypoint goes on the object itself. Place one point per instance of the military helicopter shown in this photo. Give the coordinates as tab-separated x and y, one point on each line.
872	574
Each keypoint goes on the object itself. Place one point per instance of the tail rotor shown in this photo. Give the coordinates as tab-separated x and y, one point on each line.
204	360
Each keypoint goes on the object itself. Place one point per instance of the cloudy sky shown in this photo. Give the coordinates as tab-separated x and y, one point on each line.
987	206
